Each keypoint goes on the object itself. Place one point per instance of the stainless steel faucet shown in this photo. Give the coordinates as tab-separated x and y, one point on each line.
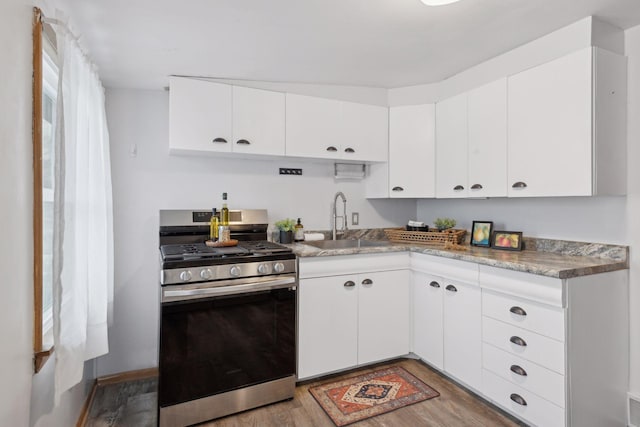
335	213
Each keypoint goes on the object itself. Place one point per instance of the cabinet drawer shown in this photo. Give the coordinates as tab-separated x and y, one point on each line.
539	318
533	347
532	408
528	375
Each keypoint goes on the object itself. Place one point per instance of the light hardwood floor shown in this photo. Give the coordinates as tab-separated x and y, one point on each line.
135	406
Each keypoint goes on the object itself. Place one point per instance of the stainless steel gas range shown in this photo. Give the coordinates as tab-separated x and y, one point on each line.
227	318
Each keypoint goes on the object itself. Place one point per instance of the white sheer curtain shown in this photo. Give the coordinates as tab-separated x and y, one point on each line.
83	236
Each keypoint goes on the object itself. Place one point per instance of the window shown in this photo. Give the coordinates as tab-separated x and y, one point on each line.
45	89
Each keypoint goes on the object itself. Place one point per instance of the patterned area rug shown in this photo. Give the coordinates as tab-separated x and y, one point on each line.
364	396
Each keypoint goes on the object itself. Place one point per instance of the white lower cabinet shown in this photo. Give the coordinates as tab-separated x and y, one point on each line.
347	320
383	315
327	325
447	317
555	350
427	319
462	333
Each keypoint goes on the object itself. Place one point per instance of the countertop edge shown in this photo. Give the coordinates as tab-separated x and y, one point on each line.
538	268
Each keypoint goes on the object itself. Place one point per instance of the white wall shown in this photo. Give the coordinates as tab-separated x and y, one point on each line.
16	312
633	198
154	180
585	219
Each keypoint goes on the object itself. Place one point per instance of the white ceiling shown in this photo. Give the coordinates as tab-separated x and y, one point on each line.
378	43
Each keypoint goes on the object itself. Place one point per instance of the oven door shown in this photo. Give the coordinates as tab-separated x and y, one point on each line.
222	338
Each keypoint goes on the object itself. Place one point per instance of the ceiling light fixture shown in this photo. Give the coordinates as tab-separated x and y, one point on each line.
438	2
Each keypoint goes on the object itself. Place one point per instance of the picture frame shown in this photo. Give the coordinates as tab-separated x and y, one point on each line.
481	232
507	240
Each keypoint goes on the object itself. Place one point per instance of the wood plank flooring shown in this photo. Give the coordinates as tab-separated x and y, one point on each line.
133	404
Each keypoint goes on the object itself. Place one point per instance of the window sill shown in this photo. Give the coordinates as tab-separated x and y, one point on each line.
40	358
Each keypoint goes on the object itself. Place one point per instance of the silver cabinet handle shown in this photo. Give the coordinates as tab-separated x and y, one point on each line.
518	370
349	150
518	310
220	140
519	184
458	188
434	284
349	284
331	148
397	189
367	282
243	142
451	288
476	187
518	341
518	399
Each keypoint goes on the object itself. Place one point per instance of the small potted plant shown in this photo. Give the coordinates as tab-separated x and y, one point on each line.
443	224
286	227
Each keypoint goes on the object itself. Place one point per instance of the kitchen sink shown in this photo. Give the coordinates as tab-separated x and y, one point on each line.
347	244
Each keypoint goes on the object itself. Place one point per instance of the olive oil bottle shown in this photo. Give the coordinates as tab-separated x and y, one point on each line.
213	225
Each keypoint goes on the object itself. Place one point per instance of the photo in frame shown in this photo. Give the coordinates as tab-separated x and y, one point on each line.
507	240
481	233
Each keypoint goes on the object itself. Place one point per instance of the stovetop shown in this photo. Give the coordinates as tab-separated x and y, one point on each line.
199	254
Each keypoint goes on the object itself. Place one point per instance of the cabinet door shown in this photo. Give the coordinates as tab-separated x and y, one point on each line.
313	127
258	121
383	315
412	151
451	147
463	333
327	325
199	115
487	140
550	128
428	318
364	132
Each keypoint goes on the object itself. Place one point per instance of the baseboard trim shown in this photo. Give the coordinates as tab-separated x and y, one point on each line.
84	412
139	374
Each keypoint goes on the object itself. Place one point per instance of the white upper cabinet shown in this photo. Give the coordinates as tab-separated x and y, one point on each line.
471	143
487	140
561	121
451	147
199	115
213	117
312	127
258	121
412	151
330	129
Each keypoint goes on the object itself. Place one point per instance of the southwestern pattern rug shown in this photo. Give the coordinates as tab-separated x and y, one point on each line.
364	396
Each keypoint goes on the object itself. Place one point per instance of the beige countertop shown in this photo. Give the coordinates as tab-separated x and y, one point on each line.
557	259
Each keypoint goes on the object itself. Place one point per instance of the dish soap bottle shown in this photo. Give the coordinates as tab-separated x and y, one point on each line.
298	235
213	225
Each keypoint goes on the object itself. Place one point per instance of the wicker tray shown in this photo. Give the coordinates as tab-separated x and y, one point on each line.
451	235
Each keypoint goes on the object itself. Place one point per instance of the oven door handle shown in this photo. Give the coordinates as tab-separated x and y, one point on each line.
189	294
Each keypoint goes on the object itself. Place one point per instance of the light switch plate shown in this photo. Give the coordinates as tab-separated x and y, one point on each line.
355	218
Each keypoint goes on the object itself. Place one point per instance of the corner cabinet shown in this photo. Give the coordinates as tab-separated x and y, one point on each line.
219	118
339	130
352	310
471	143
447	317
567	127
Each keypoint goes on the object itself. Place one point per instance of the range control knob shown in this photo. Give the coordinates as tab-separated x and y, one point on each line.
235	271
185	276
278	267
206	274
263	269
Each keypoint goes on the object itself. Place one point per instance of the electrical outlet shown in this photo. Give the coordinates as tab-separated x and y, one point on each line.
355	218
290	171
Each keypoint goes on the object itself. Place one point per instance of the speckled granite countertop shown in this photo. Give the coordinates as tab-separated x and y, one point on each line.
545	257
